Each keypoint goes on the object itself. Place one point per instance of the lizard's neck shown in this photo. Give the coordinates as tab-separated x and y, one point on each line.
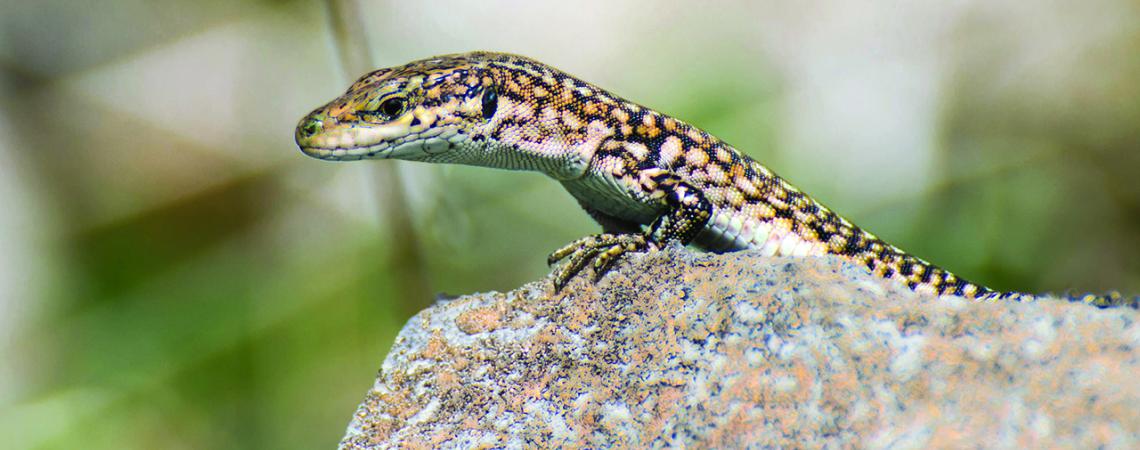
527	134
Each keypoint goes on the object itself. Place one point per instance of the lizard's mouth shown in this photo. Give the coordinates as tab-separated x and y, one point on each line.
407	150
326	138
345	154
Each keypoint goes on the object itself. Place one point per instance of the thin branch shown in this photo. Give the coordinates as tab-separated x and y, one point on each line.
405	258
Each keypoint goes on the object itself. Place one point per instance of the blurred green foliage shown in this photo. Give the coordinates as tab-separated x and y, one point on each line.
179	276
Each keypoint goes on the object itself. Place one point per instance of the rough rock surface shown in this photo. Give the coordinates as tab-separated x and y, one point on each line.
681	349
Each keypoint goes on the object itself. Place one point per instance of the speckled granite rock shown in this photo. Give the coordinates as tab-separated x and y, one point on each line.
681	349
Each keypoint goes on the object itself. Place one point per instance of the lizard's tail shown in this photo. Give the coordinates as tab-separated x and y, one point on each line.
996	296
1111	299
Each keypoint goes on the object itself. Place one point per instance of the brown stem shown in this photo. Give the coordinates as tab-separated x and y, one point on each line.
405	260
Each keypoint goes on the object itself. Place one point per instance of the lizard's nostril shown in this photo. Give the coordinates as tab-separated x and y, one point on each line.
310	127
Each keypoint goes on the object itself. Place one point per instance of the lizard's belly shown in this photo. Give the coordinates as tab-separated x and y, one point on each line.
607	195
730	230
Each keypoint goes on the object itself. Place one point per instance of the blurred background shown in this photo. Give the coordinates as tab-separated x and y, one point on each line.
175	274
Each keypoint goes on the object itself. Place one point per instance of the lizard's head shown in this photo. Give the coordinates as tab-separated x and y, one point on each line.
418	111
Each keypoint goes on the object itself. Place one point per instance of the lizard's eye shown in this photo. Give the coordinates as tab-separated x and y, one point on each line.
391	108
490	102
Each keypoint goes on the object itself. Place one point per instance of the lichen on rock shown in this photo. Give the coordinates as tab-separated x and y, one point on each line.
684	349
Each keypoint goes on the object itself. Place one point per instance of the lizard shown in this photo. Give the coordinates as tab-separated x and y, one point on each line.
647	178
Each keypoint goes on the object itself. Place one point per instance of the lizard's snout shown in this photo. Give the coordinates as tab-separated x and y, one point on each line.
307	129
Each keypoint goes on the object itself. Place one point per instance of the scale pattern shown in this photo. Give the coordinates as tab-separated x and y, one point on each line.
647	178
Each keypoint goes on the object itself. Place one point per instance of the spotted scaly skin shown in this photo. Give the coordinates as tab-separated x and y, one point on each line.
647	178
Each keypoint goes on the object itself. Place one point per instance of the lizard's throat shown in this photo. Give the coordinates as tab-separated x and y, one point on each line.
513	154
560	155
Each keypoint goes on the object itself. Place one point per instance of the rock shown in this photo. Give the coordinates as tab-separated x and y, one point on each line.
683	349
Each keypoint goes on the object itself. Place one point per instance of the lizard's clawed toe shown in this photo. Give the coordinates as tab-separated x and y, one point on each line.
602	249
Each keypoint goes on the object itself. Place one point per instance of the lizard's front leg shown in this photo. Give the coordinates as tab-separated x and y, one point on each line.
687	211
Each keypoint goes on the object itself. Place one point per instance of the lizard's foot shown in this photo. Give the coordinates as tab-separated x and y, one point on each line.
603	249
